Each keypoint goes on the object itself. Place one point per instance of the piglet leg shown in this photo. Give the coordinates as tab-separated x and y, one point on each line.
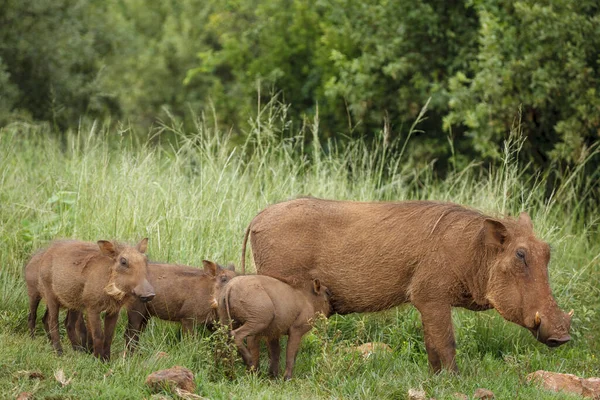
248	329
110	322
34	302
274	355
71	322
187	327
253	344
53	309
136	322
294	339
95	329
45	323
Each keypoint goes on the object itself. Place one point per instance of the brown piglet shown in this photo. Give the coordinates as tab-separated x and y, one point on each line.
76	330
74	276
183	294
262	306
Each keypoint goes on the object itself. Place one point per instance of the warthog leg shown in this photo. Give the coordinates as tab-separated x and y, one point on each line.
253	344
187	327
45	323
33	306
110	322
72	322
274	355
94	325
136	323
248	329
53	309
439	335
294	338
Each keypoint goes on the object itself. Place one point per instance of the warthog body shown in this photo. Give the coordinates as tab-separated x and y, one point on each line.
75	276
76	330
183	294
262	306
376	255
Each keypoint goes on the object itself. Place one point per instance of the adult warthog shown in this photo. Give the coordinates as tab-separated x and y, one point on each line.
373	256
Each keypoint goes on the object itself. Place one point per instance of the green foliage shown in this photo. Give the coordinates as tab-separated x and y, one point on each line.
262	47
52	52
543	57
358	62
225	355
9	94
156	45
356	68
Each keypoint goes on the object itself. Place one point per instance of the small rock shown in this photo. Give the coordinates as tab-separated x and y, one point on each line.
569	383
172	378
369	348
591	387
557	382
482	393
187	395
25	396
460	396
416	394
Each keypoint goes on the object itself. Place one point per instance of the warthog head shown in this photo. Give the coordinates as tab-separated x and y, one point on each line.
518	286
320	298
128	273
221	276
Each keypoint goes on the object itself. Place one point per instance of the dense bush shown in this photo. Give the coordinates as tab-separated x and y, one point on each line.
543	55
358	62
358	65
52	52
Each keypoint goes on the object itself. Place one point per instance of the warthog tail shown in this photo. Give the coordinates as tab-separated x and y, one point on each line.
246	235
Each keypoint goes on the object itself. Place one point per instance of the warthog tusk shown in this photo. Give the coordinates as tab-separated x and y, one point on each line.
538	319
571	313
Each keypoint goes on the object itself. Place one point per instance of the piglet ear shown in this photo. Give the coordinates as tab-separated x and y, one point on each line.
210	267
317	286
495	232
525	220
107	248
142	245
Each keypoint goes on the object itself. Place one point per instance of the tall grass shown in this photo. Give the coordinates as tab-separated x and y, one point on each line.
194	196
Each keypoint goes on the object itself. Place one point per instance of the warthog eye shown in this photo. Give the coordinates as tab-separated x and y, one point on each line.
521	254
224	278
123	262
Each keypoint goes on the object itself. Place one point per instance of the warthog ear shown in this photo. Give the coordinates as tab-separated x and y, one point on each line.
210	267
107	248
143	245
317	286
495	232
231	267
525	220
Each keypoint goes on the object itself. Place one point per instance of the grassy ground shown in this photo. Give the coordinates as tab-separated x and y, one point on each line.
194	201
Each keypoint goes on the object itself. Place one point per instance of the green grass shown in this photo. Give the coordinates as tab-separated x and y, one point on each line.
194	201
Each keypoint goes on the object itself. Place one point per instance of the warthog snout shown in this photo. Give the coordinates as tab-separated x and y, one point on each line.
554	342
146	299
144	291
550	332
